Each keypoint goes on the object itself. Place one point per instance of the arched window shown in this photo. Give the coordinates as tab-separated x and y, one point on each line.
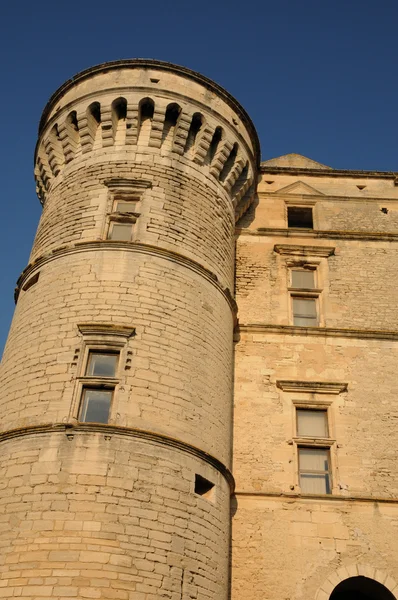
361	588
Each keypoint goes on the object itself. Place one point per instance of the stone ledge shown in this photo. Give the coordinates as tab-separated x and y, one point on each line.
314	387
373	236
314	497
107	329
296	250
127	247
70	429
316	331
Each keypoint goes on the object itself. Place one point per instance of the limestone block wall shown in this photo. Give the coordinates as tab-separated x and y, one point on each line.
287	542
103	515
357	282
362	417
175	371
136	507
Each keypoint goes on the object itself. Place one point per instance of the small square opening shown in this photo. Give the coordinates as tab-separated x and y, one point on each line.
300	216
204	487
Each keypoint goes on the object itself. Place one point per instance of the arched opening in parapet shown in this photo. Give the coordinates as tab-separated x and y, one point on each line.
361	588
173	112
93	114
229	163
215	142
119	114
240	182
195	127
146	109
72	129
54	151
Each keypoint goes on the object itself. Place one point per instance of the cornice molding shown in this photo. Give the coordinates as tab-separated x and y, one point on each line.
328	172
88	329
110	245
312	387
71	429
372	236
296	250
315	497
130	184
316	331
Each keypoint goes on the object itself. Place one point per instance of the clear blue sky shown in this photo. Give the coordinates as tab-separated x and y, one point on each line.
317	78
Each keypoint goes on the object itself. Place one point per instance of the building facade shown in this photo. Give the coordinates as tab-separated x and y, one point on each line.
198	388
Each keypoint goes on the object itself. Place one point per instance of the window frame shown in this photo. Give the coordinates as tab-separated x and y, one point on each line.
100	338
119	221
307	207
128	191
305	293
314	442
96	382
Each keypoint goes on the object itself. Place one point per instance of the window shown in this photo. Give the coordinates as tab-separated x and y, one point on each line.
300	216
204	487
98	387
314	470
313	459
304	311
303	278
95	406
123	206
312	423
100	364
120	231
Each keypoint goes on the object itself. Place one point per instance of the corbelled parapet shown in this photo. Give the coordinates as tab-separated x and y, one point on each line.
117	374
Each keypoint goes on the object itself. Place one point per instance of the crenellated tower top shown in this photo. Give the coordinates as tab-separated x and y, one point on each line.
133	106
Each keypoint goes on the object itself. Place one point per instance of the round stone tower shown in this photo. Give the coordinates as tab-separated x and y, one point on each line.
117	374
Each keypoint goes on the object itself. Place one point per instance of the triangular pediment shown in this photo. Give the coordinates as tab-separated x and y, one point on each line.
299	188
294	161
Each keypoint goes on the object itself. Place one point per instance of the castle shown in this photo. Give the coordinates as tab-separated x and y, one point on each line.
199	385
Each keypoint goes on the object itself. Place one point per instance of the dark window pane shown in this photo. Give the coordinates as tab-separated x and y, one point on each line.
95	406
101	364
299	216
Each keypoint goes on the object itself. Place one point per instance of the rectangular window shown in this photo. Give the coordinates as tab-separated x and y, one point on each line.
300	216
304	312
123	206
314	470
98	387
100	364
95	405
312	423
303	279
122	232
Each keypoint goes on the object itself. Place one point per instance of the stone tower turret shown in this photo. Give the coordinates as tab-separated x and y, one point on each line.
117	374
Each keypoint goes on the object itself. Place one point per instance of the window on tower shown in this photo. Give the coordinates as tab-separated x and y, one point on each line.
98	386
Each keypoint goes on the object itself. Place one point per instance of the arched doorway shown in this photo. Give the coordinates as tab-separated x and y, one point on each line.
361	588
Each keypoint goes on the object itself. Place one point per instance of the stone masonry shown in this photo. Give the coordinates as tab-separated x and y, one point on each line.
168	253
